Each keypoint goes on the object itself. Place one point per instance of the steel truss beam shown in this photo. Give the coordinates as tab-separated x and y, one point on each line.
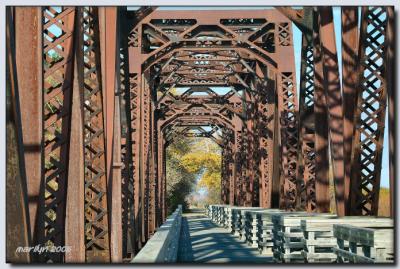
370	110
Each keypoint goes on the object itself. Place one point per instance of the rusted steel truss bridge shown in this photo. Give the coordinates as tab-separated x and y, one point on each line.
96	94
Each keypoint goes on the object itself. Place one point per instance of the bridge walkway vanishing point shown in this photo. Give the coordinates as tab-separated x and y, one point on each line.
202	241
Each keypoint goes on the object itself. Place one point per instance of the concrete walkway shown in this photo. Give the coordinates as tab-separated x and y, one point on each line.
202	241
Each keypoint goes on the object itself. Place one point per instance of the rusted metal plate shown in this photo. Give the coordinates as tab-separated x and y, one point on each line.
18	233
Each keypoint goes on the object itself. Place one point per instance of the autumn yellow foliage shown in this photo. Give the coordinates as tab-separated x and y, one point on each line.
206	163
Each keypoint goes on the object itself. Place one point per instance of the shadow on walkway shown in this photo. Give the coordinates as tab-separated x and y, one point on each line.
204	242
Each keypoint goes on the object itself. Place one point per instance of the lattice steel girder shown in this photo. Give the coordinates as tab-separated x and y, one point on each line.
306	197
194	131
265	131
96	189
188	30
227	171
134	103
57	55
18	230
334	103
298	17
370	111
306	173
136	134
129	242
146	158
230	103
204	71
250	40
199	113
288	115
238	167
153	168
197	109
234	179
350	77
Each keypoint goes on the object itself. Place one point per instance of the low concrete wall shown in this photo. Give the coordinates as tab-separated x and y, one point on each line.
163	245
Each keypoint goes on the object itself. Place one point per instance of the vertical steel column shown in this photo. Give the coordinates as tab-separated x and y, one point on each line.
238	164
277	176
17	211
161	173
321	126
231	169
350	76
287	102
108	47
248	178
75	200
96	189
128	214
224	173
28	64
152	140
370	111
234	184
57	55
391	92
135	82
265	134
288	113
334	102
306	199
227	166
164	183
155	160
145	153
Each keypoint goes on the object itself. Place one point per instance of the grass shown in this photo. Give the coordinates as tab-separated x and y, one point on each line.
384	203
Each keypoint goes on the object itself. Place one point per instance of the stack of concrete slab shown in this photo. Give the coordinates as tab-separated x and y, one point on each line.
319	240
264	230
365	245
288	236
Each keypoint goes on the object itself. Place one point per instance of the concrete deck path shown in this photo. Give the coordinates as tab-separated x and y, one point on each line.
202	241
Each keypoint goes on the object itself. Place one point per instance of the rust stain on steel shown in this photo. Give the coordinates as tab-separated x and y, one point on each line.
306	199
391	58
350	76
29	69
334	103
96	189
75	200
17	212
370	111
108	51
321	127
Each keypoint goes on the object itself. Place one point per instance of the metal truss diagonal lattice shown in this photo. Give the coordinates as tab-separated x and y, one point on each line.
58	25
370	112
96	218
